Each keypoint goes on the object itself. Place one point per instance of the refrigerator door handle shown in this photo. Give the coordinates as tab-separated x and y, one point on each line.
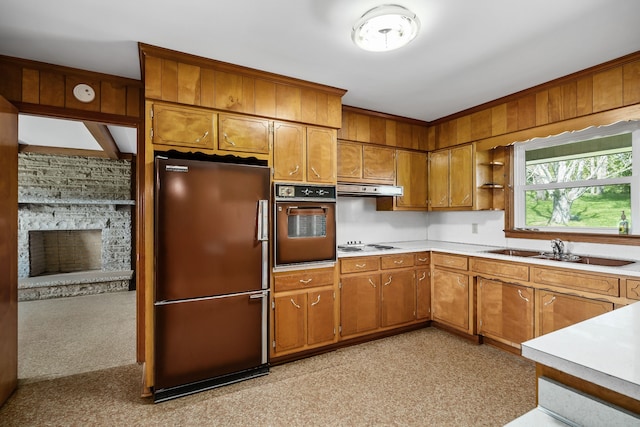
263	220
258	296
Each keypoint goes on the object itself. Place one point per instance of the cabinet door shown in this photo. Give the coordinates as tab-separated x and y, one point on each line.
461	167
412	175
423	294
379	164
289	318
398	297
288	143
557	311
349	160
505	311
439	179
321	155
360	304
183	126
320	324
236	133
450	298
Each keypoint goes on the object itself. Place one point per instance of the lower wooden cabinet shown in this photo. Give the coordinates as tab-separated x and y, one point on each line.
423	294
359	304
450	299
304	310
398	297
505	311
556	310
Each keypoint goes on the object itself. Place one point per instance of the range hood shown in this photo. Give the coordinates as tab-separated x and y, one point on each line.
347	189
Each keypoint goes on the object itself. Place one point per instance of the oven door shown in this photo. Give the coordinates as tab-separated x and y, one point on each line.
305	232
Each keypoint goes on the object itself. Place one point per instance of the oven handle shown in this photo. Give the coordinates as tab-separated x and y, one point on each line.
323	208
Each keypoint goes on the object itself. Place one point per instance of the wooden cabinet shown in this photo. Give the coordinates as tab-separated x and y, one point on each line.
556	310
412	176
242	133
572	279
450	178
180	126
381	292
304	154
288	152
450	298
633	289
423	294
366	163
492	167
505	311
359	304
321	155
304	310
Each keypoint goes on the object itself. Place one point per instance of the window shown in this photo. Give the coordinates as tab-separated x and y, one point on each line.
579	182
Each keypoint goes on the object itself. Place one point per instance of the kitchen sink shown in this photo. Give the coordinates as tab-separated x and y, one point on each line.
607	262
515	252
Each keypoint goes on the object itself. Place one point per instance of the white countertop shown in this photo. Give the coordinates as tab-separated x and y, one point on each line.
481	251
603	350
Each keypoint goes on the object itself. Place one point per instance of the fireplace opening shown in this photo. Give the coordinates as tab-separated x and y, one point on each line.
64	251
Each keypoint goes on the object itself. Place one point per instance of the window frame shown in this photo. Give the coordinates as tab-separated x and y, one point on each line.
517	178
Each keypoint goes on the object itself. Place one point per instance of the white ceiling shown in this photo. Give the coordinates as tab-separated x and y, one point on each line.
467	53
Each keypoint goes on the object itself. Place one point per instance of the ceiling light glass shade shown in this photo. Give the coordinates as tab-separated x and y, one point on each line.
386	27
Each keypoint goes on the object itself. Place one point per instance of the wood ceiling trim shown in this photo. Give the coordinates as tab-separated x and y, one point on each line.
23	148
102	135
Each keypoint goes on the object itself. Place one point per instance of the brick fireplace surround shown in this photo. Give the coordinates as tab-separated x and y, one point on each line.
84	199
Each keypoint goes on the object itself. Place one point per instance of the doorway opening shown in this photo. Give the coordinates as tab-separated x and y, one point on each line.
76	289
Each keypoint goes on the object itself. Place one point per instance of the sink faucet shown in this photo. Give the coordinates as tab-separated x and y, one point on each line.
557	246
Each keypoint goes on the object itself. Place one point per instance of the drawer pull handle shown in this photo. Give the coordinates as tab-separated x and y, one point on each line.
229	140
550	301
361	265
315	172
294	303
295	171
372	284
422	259
398	261
522	296
305	281
316	301
460	282
423	276
388	282
203	137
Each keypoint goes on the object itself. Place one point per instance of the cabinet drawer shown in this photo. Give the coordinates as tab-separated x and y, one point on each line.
396	261
303	279
633	289
502	269
422	258
354	265
451	261
604	285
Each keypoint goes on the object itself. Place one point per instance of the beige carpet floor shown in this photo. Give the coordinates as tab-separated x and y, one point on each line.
64	336
422	378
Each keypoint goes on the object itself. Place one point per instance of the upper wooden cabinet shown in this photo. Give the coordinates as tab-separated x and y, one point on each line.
321	155
366	163
174	125
451	178
304	154
412	176
241	133
288	152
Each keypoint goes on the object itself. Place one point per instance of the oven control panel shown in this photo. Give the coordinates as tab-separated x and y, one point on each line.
304	191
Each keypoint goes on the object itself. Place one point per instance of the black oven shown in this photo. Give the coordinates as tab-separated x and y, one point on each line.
305	224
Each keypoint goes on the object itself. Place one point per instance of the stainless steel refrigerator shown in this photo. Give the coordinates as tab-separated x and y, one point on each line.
211	275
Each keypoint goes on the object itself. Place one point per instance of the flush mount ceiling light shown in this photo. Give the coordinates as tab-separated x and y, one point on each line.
386	27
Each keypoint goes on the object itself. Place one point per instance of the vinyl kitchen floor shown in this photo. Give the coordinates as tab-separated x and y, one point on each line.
421	378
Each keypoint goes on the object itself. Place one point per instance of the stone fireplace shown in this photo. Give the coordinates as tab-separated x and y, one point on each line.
74	226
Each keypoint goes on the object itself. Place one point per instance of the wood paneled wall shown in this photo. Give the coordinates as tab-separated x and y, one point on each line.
34	85
378	128
606	87
192	80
